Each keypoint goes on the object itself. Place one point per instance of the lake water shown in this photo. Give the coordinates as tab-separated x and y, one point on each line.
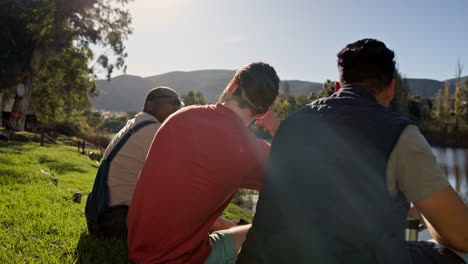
454	162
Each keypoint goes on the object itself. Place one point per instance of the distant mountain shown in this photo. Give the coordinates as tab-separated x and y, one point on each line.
127	92
298	88
210	82
429	88
122	93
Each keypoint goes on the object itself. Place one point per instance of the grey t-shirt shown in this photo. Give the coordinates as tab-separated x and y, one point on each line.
412	167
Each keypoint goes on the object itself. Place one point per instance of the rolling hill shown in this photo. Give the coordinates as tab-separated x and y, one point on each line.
127	92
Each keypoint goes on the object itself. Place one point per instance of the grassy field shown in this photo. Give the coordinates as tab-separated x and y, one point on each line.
39	222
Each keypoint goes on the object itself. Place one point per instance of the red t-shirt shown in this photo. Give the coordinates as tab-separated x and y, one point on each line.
198	160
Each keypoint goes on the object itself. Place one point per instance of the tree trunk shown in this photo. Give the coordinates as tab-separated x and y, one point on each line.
42	136
1	110
21	104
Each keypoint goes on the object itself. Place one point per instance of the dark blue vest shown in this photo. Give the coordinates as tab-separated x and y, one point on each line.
325	197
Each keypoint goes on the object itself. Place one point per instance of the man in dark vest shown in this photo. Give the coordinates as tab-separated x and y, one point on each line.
342	173
107	205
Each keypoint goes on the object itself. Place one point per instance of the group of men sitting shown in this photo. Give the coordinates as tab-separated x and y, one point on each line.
336	186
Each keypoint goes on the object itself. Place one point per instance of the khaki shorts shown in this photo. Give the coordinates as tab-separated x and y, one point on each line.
223	249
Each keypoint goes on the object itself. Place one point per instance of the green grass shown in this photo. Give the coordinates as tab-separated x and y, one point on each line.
39	222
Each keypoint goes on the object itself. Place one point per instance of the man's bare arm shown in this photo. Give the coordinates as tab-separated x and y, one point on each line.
446	217
222	224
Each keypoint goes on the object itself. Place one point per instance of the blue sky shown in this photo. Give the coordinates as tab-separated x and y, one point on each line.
300	38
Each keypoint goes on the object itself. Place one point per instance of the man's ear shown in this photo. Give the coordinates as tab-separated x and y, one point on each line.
149	106
337	86
232	86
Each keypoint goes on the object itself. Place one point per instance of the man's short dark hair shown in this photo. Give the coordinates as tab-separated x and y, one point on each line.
258	86
156	94
367	62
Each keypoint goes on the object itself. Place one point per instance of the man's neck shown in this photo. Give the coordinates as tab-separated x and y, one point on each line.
380	97
243	113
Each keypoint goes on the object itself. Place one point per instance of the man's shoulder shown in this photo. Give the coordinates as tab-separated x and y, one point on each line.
202	114
142	117
194	110
411	137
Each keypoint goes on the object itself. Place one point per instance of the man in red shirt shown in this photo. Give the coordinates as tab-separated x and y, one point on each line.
198	160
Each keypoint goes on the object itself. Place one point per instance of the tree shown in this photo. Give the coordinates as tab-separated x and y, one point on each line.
465	102
439	102
446	102
328	89
465	89
459	96
193	98
400	100
6	95
34	31
131	114
62	86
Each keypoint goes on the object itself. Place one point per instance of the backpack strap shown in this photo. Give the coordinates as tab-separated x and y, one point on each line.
126	136
98	199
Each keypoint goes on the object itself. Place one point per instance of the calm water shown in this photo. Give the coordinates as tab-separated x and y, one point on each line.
454	162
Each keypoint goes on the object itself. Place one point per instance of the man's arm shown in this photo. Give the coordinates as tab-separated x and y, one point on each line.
423	183
446	217
221	224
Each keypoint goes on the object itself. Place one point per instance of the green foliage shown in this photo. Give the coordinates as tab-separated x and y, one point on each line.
420	109
286	104
244	199
193	98
327	90
458	104
400	101
465	89
234	212
94	118
47	27
57	35
465	102
62	86
439	105
131	114
113	124
443	120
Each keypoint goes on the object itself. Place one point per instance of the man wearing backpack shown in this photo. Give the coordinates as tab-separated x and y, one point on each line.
107	204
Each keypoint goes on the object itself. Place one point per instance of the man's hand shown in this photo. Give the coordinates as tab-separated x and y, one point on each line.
270	122
222	224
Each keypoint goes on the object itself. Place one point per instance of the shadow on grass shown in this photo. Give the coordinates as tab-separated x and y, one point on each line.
60	166
11	176
91	249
